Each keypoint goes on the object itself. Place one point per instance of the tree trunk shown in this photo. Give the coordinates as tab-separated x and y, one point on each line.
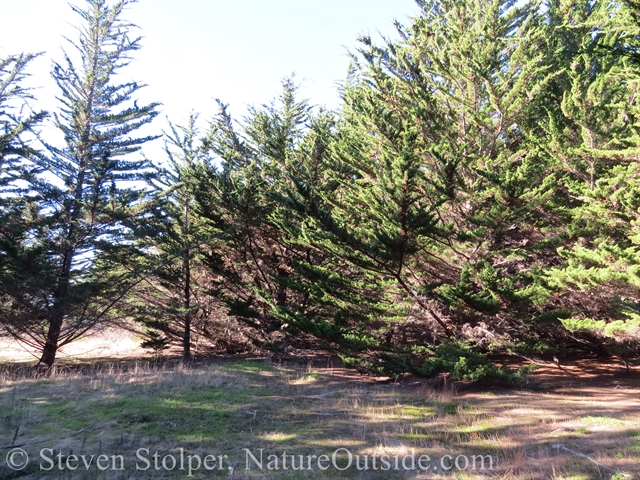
186	354
186	339
51	346
55	321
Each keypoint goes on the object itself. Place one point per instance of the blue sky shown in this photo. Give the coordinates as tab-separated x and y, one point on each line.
198	50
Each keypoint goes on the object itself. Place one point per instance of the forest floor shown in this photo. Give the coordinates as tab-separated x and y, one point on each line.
132	418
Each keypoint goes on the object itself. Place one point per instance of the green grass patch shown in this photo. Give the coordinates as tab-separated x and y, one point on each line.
246	404
450	408
249	366
602	421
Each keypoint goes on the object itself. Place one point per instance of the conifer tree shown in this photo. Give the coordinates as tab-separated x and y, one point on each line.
17	122
92	190
443	180
175	294
522	123
272	168
235	198
15	148
491	134
593	137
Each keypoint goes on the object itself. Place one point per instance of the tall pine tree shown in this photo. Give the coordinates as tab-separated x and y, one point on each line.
174	298
17	135
593	137
90	189
444	187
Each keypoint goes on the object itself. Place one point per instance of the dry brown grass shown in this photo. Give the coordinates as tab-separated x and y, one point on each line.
220	407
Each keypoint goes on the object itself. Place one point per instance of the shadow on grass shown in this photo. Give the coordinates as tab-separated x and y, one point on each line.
216	408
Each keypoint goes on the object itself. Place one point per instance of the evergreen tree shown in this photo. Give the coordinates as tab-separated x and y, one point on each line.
16	154
235	198
175	295
271	168
516	127
437	197
15	148
89	192
444	186
481	180
593	137
493	133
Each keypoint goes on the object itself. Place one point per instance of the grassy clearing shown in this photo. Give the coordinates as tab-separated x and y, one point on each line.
221	409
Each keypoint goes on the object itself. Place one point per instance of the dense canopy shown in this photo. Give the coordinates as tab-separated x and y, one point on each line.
477	193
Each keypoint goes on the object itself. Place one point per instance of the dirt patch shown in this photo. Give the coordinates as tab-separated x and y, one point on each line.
112	344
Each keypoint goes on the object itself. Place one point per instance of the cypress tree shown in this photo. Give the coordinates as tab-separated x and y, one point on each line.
269	180
593	137
92	191
234	196
17	134
444	185
15	147
172	245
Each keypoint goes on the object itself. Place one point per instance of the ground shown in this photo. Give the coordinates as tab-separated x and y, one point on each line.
124	410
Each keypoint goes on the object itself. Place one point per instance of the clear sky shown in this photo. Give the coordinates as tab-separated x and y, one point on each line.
197	50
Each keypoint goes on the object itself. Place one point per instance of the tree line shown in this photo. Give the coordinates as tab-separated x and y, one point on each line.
477	192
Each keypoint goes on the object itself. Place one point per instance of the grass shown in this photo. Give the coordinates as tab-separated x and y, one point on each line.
601	421
291	416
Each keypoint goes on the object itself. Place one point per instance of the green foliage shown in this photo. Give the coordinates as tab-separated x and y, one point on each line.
577	324
462	361
477	192
274	266
593	138
84	197
445	189
173	246
17	130
15	125
531	346
156	342
477	174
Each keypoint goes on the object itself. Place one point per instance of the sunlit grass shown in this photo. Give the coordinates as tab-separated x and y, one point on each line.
224	408
601	421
